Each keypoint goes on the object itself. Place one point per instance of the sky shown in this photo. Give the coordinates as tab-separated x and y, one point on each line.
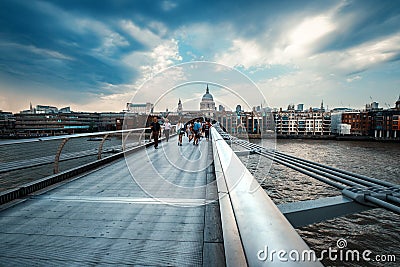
96	55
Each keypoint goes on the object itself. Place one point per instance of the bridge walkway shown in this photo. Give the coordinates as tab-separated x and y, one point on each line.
105	217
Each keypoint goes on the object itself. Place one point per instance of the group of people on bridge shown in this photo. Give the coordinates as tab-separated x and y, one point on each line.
194	130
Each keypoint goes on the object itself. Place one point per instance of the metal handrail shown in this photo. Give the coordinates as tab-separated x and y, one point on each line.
258	219
64	139
6	167
50	138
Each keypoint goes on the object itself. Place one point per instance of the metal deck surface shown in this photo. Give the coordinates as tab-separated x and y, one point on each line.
105	218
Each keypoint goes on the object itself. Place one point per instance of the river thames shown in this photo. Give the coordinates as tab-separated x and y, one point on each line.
376	230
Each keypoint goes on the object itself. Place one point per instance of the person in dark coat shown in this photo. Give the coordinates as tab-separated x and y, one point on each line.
155	131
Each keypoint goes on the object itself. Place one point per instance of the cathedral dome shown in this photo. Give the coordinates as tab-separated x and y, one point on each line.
207	104
207	96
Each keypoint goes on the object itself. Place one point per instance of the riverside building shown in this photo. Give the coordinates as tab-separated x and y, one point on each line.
7	123
296	122
375	122
48	121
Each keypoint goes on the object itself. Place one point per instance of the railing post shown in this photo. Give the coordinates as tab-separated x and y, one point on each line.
124	138
101	146
141	135
58	154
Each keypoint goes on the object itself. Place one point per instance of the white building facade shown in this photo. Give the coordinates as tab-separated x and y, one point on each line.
303	123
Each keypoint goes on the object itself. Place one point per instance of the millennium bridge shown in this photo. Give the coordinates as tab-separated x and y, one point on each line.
86	199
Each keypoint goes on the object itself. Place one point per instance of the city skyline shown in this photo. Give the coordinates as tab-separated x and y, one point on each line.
95	57
195	102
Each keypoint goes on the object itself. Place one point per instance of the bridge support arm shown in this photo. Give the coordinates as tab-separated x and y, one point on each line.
58	154
303	213
101	146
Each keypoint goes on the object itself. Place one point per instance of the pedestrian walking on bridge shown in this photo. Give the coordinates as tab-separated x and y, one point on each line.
155	131
206	129
180	128
197	133
167	128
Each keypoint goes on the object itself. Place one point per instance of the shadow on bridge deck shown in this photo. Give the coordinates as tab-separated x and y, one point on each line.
105	217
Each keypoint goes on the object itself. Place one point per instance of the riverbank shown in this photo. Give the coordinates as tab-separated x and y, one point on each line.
258	136
339	138
316	137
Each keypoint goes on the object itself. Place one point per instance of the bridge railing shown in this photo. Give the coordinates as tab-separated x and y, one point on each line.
27	160
253	226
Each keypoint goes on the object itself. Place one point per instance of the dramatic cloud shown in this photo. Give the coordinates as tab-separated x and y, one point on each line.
98	54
